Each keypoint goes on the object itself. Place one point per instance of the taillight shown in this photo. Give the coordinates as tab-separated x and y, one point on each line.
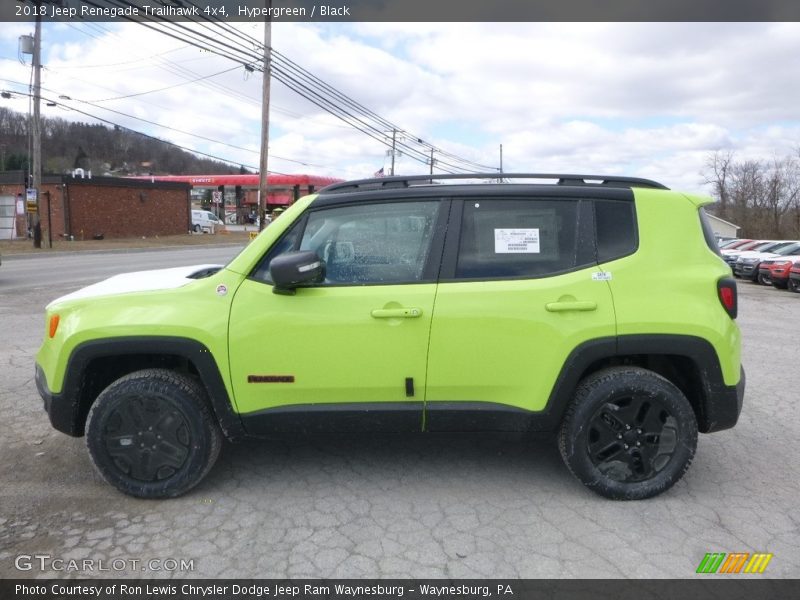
726	289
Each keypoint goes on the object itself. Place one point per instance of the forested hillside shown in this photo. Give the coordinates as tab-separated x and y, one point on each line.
105	150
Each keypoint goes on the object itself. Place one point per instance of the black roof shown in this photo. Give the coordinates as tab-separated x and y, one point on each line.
386	183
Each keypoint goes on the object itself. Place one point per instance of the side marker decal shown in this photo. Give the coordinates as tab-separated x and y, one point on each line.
270	379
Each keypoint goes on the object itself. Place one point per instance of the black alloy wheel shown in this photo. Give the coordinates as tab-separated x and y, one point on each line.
147	440
632	437
629	433
152	434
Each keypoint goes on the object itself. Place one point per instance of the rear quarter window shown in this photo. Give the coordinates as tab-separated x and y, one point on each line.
615	229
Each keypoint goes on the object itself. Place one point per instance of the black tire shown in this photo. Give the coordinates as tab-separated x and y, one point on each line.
151	434
764	279
197	229
629	433
793	285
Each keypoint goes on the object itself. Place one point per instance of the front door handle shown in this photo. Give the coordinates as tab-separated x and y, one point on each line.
396	313
571	306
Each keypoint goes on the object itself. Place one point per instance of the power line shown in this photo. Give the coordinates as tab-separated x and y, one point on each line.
62	104
169	87
193	151
320	85
330	107
313	89
174	68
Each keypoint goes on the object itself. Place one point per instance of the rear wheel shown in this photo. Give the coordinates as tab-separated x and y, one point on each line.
629	433
151	434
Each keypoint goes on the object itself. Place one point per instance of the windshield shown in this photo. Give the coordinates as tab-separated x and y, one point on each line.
765	246
748	246
789	249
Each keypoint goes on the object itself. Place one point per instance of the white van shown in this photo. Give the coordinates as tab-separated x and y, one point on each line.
205	221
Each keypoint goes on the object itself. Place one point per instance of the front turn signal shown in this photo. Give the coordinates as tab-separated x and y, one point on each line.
54	320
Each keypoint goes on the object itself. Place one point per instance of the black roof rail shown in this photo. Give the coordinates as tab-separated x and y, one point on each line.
404	181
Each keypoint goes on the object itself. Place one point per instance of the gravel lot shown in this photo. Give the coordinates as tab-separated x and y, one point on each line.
411	506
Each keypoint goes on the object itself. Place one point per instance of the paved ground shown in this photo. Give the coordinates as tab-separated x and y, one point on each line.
404	506
237	234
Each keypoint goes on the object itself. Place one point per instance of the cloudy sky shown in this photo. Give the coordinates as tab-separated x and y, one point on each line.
648	100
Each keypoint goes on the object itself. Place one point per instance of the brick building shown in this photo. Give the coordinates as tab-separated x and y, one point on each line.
109	206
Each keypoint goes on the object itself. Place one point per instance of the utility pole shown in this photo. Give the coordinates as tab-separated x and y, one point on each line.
394	139
432	161
37	124
262	179
501	165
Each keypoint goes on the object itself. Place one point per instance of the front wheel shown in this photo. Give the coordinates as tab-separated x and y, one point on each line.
764	279
780	284
793	285
151	434
629	434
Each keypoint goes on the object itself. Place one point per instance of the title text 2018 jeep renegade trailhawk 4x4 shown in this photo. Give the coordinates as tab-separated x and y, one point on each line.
555	303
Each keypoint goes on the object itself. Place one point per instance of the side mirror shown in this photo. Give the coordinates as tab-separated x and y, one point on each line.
293	269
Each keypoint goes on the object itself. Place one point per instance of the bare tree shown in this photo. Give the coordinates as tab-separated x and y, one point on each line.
716	174
782	192
761	196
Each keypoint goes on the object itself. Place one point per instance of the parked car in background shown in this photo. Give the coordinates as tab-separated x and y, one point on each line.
735	243
794	278
739	248
758	246
748	263
778	270
204	221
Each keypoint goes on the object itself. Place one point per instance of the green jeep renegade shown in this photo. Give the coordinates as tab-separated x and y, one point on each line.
594	307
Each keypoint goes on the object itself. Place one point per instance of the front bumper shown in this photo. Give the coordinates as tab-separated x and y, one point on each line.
62	413
749	271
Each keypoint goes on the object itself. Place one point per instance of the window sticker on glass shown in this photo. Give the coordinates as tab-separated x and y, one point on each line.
516	241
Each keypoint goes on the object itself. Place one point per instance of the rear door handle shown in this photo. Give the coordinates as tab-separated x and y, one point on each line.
396	313
576	305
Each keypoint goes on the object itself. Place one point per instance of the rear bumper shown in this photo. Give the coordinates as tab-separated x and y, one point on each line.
723	406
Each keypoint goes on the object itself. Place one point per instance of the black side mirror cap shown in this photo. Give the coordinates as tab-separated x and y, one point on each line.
294	269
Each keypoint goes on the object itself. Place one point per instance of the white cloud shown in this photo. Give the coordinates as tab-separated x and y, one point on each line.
637	99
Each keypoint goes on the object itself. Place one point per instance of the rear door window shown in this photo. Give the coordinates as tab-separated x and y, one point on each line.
522	238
